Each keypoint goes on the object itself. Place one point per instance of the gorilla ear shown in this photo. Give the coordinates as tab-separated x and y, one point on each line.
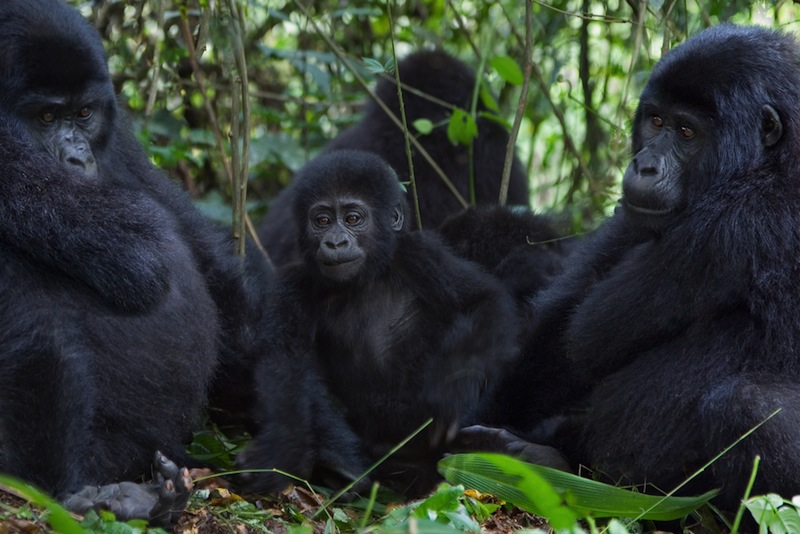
399	218
771	127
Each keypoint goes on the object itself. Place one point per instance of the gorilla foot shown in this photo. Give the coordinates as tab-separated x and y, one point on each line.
161	501
479	438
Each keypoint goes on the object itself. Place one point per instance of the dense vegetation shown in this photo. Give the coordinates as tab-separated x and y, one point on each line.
225	89
181	65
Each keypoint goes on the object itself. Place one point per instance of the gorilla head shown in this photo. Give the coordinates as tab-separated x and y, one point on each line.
56	83
706	116
349	209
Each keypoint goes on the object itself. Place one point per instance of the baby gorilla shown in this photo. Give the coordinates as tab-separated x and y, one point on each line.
377	330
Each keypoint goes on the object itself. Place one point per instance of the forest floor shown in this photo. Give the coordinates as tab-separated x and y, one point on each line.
214	509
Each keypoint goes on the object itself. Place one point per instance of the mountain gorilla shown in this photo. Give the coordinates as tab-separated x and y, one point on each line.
523	249
116	296
683	308
433	75
378	329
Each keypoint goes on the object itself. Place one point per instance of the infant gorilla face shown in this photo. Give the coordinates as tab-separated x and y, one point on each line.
337	224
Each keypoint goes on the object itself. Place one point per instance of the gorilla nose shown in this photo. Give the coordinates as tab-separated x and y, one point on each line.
86	165
648	165
337	243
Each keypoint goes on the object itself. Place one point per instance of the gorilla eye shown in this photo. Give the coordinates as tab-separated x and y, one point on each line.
687	132
657	121
352	218
323	220
85	113
47	117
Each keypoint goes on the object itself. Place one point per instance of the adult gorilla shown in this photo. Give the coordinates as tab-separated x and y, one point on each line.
116	296
683	308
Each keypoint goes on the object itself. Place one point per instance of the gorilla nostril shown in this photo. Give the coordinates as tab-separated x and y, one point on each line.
648	171
77	162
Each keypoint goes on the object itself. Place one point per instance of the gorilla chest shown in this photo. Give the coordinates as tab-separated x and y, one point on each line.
369	330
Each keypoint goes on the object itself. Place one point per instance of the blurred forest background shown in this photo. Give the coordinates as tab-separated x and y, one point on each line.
203	76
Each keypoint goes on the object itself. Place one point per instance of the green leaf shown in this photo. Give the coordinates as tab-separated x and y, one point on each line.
389	65
422	526
373	65
501	476
423	126
461	129
57	516
508	69
446	499
774	514
496	119
522	484
488	99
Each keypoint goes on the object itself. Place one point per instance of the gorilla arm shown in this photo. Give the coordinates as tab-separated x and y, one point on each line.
299	431
479	336
657	290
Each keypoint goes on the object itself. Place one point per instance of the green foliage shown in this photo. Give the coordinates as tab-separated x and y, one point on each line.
105	523
508	69
775	514
172	61
461	129
561	497
423	126
520	485
58	517
447	509
591	59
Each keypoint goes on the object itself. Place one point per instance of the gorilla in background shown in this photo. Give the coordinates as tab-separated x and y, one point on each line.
682	309
441	76
116	296
523	249
385	326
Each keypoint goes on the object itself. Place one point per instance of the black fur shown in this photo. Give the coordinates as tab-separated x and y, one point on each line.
116	295
523	249
416	333
685	317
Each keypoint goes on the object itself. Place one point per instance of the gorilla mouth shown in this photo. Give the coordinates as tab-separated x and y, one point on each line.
341	269
337	263
645	211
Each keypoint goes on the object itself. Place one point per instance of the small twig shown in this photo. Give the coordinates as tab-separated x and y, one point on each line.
240	130
473	112
569	143
201	86
155	70
521	104
637	44
406	137
417	145
461	26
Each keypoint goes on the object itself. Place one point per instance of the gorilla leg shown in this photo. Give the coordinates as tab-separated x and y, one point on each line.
738	405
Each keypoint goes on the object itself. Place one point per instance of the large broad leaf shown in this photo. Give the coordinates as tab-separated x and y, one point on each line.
521	484
517	484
